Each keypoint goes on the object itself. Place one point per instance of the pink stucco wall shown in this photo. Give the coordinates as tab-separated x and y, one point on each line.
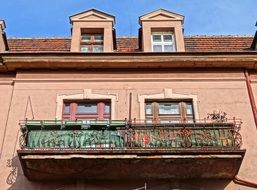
218	89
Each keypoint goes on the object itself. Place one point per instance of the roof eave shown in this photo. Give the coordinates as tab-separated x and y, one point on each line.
17	61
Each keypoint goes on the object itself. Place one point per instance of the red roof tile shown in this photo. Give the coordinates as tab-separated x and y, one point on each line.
130	44
127	44
39	44
217	43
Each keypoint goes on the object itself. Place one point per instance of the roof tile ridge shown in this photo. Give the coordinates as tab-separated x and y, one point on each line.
37	38
127	37
218	36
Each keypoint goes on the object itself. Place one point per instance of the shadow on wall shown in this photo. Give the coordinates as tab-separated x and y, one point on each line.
17	181
13	171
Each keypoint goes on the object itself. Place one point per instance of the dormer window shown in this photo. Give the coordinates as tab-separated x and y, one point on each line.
91	42
161	31
163	42
92	31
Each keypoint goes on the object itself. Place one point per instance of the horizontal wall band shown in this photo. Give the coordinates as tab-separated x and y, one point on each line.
131	79
253	80
6	82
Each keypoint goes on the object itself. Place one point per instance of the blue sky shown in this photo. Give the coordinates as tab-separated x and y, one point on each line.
50	18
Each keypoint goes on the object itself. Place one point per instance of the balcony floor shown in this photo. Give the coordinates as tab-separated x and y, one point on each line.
130	163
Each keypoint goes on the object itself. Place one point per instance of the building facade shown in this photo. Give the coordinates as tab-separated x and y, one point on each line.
157	111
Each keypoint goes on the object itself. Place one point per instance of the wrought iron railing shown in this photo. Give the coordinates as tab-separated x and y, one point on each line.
116	134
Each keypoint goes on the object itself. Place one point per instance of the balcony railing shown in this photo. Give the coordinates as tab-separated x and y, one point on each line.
120	134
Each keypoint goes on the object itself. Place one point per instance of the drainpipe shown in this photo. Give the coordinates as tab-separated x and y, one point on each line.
251	96
244	182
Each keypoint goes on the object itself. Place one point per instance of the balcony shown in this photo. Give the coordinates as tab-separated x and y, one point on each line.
119	149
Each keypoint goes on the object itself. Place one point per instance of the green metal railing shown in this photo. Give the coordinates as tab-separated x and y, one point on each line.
121	134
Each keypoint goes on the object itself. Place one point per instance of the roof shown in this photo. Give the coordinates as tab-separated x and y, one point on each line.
39	44
130	44
217	43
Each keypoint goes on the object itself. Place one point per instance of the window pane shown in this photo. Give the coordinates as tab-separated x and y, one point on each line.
168	108
85	38
66	109
168	48
189	108
86	108
107	108
97	48
167	38
85	48
99	37
148	108
157	38
157	48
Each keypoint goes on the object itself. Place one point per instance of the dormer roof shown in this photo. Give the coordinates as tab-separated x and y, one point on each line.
93	15
2	25
161	15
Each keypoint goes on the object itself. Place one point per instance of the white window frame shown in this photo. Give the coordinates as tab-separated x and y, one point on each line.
162	43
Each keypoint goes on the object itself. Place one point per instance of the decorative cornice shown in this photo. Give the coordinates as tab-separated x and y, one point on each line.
14	61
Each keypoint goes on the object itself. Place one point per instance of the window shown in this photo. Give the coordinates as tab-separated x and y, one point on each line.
169	112
163	42
87	110
91	42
